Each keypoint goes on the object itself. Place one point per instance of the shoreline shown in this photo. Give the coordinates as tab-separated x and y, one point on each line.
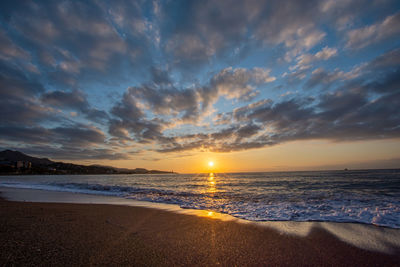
98	234
249	197
166	229
222	172
64	196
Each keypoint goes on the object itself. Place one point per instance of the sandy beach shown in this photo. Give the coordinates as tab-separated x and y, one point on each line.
42	234
200	133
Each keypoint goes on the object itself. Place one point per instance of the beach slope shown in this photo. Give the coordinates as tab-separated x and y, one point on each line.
93	234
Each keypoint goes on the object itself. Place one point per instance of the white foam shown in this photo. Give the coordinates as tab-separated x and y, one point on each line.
367	237
337	208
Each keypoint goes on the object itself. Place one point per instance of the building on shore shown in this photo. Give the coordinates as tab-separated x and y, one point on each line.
23	164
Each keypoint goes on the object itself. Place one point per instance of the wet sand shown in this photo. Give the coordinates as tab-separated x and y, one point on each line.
95	234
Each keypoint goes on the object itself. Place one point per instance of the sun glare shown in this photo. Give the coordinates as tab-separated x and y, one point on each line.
211	163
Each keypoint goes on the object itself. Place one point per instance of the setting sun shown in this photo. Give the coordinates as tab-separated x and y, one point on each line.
277	118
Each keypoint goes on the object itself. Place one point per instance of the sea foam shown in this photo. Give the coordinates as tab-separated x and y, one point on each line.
371	197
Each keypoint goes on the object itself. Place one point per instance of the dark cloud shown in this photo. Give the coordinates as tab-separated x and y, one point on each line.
130	122
18	103
15	83
23	134
248	130
321	77
160	77
75	41
71	142
9	50
24	115
74	100
389	82
354	111
298	31
202	31
73	153
233	138
241	113
365	36
167	101
176	106
76	135
389	59
58	57
194	32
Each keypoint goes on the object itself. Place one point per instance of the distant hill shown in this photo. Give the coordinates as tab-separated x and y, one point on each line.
15	162
14	156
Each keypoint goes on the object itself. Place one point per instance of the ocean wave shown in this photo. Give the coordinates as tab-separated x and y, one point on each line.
308	206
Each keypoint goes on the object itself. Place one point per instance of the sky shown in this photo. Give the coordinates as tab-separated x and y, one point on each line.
171	85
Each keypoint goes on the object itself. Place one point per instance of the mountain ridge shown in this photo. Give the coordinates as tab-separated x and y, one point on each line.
16	162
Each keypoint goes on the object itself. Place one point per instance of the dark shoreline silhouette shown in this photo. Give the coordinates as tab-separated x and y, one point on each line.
18	163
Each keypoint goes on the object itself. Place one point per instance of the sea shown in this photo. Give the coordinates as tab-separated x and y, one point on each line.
362	196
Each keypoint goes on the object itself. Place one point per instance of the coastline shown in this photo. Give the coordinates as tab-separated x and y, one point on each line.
114	233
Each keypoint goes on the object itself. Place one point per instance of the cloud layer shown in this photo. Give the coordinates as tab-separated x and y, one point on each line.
101	80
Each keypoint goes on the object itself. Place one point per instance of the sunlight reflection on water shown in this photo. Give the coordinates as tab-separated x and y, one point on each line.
364	236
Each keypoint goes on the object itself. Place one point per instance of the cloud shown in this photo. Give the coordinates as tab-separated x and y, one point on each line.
30	135
76	40
75	135
18	98
365	36
298	31
78	135
206	29
27	111
74	153
72	142
239	83
9	50
233	138
173	106
321	77
130	122
306	59
183	75
360	109
74	100
343	14
389	59
210	29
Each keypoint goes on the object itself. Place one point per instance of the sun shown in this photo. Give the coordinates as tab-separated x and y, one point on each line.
211	163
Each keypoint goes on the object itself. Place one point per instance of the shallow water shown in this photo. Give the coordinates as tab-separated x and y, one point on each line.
368	196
